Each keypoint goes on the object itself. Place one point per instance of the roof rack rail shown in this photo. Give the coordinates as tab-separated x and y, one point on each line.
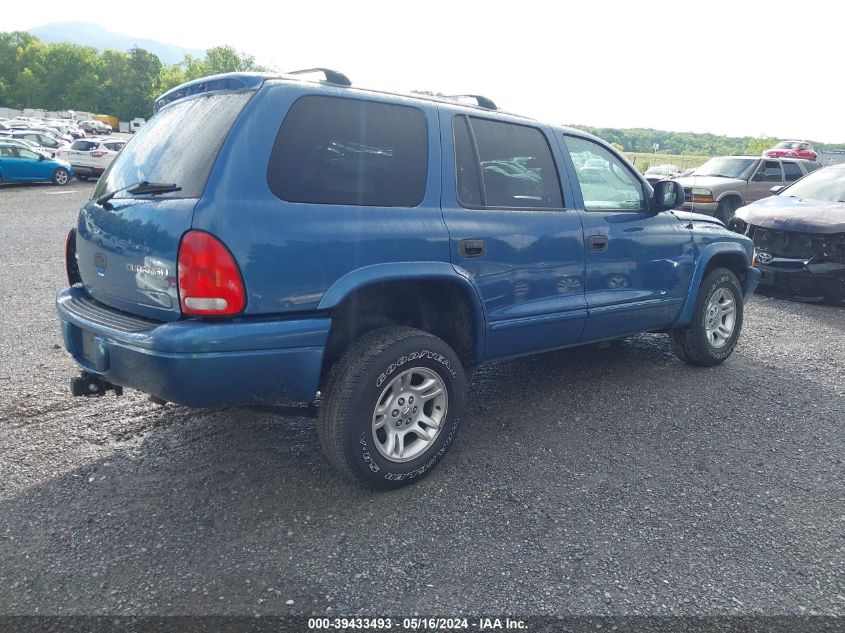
482	102
332	76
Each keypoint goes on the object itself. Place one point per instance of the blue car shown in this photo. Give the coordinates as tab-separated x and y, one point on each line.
274	239
18	164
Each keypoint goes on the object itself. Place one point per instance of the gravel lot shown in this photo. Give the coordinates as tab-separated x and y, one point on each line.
599	481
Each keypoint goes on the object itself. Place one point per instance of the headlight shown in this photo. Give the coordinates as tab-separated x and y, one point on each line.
702	195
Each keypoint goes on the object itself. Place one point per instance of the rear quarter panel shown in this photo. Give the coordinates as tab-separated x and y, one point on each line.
291	253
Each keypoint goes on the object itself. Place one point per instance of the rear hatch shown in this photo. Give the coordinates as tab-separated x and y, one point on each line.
127	246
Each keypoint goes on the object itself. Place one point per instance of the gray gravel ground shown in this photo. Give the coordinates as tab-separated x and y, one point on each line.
600	481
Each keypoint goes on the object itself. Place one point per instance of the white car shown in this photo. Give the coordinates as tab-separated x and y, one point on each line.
89	157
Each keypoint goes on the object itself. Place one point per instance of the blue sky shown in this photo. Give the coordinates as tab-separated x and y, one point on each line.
737	68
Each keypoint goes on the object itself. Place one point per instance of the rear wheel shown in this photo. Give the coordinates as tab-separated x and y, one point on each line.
60	176
82	177
716	321
391	407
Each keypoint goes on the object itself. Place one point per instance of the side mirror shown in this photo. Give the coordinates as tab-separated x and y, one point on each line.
41	157
668	194
777	189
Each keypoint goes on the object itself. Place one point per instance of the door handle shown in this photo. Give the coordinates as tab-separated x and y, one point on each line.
597	242
472	248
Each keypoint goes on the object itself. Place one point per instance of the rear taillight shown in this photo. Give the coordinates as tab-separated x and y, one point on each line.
210	283
71	265
98	154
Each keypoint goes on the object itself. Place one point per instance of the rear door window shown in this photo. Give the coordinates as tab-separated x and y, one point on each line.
770	171
334	150
517	167
179	145
791	172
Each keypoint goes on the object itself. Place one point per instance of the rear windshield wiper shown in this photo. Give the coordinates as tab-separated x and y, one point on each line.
137	188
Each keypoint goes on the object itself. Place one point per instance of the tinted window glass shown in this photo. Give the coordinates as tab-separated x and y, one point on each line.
516	166
466	166
83	146
606	181
179	145
791	171
115	147
811	166
771	171
346	151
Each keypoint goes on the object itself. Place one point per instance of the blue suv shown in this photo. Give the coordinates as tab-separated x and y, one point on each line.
268	239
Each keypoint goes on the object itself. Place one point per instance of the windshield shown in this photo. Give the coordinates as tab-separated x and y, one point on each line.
728	168
662	171
178	145
786	145
824	184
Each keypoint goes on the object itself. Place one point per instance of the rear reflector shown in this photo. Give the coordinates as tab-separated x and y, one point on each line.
98	154
210	283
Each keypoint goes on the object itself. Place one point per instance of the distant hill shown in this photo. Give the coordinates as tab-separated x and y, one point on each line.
89	34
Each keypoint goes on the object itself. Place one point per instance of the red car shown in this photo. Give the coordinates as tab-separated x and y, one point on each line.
792	149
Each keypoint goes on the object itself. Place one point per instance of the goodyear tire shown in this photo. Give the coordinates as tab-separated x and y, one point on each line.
60	176
716	321
391	407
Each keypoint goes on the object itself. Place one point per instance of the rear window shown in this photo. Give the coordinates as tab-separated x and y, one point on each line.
791	171
332	150
83	146
178	145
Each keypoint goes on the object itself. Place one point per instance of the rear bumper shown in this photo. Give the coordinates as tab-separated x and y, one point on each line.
194	362
87	170
804	281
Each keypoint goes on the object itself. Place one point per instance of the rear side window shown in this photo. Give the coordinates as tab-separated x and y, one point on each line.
115	147
83	146
517	168
178	145
811	166
333	150
791	172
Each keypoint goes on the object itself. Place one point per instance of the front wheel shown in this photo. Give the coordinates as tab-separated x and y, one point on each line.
716	321
60	177
391	407
726	210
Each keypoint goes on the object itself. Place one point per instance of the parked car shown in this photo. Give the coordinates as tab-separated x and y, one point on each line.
18	164
722	185
20	142
266	239
93	126
792	149
799	237
44	140
660	172
90	157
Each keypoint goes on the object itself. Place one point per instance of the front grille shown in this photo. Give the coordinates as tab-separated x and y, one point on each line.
790	244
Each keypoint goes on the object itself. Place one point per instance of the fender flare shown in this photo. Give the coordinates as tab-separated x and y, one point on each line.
707	254
733	193
412	271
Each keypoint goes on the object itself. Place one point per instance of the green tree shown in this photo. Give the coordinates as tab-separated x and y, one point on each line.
756	146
